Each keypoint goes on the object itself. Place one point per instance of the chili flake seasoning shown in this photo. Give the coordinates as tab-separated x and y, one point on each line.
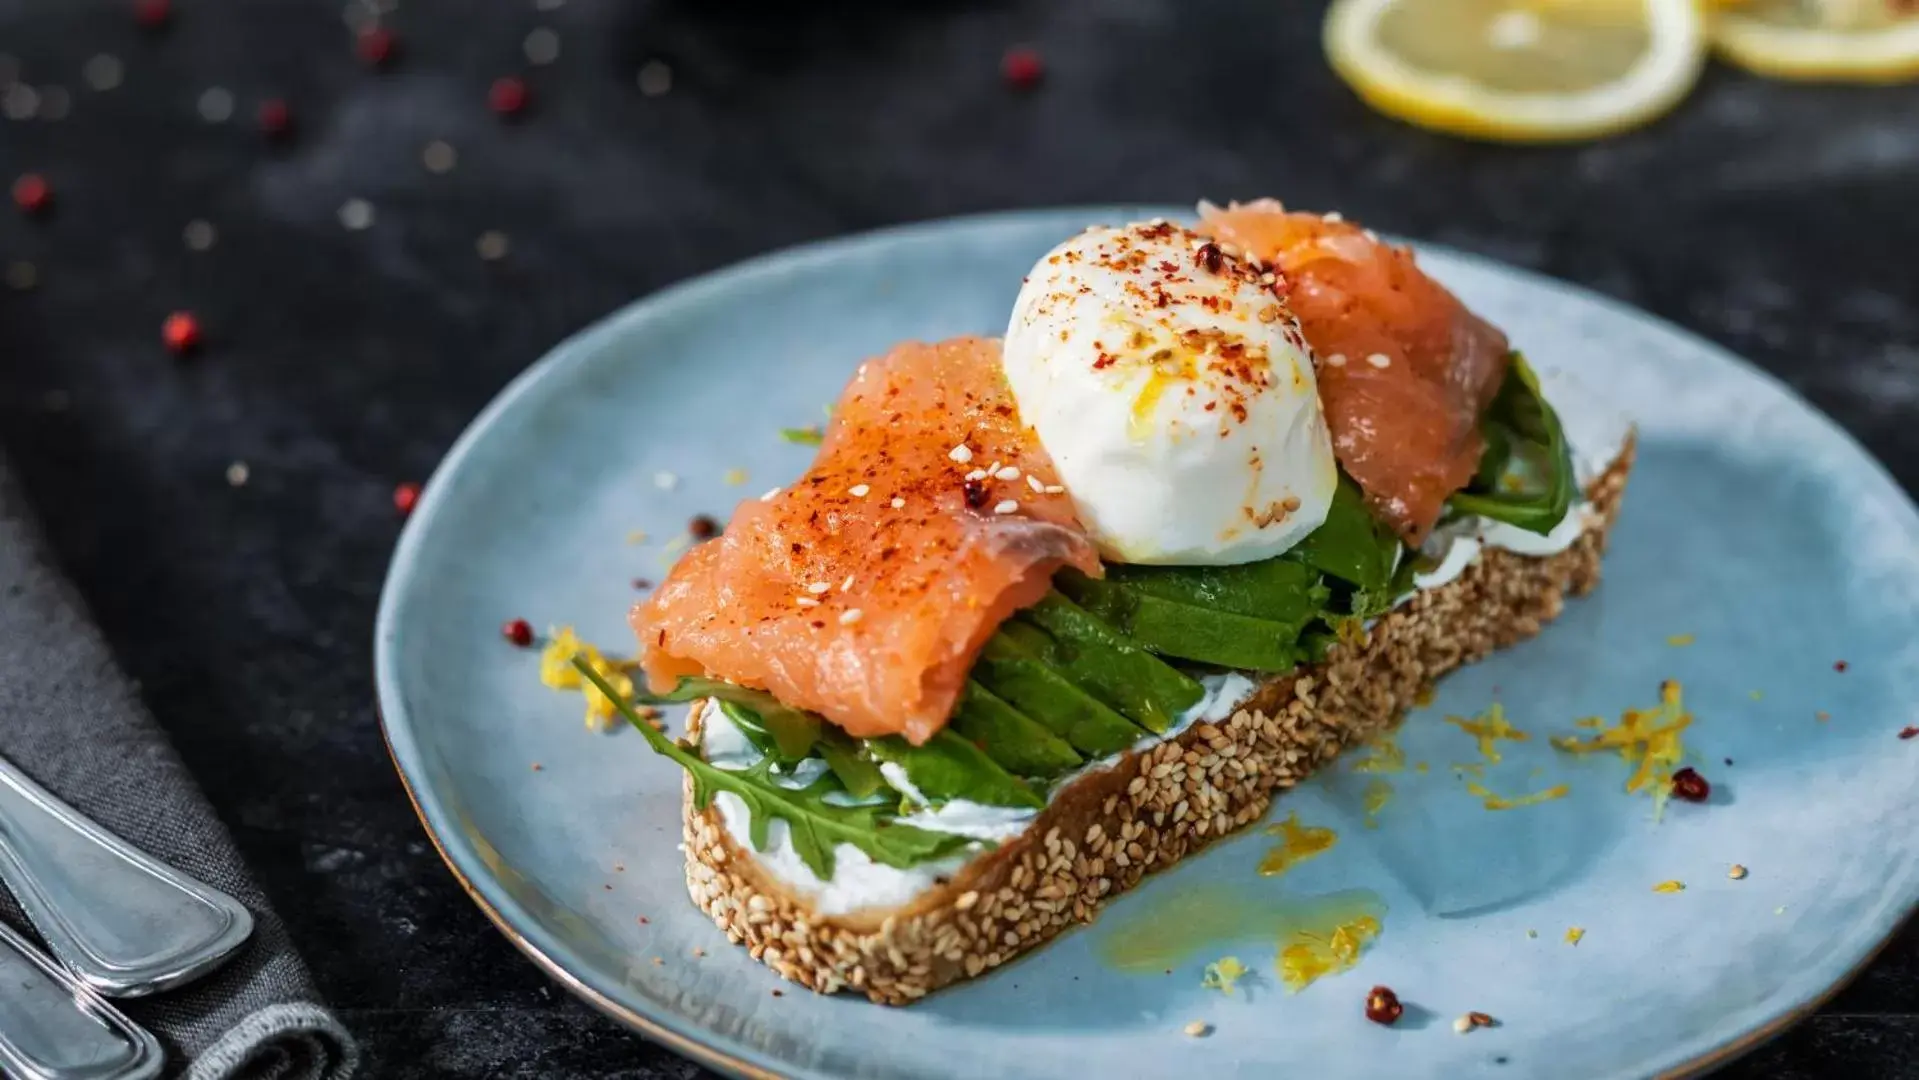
181	333
152	14
405	497
1021	67
376	46
1687	784
517	631
507	96
1383	1007
276	120
1909	732
32	194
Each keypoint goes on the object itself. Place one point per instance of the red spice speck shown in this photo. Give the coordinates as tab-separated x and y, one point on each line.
405	497
642	583
507	96
517	631
32	194
779	993
152	14
276	120
181	333
376	46
1687	784
1839	666
1383	1007
1022	67
703	527
976	494
1209	258
1909	732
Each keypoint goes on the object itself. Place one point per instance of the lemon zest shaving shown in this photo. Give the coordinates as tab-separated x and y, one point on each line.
1223	974
558	673
1383	755
1649	740
1378	793
1680	641
1573	934
1669	887
1495	801
1488	728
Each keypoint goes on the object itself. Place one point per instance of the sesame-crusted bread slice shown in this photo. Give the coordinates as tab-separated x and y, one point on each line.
1105	831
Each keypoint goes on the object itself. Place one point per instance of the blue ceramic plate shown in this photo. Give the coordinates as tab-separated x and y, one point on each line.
1752	524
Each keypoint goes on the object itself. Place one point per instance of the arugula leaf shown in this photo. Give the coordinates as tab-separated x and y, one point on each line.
773	728
844	755
1525	478
815	825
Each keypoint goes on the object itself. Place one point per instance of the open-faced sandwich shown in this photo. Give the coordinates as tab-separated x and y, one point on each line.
1048	614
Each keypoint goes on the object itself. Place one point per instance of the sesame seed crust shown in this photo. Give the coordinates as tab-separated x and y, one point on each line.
1107	831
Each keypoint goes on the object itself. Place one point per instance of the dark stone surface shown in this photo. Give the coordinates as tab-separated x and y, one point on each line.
1779	220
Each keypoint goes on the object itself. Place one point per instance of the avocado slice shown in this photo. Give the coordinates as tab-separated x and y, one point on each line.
949	767
1017	742
1014	673
1097	658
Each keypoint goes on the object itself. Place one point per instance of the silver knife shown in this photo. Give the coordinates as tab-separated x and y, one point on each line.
52	1027
124	922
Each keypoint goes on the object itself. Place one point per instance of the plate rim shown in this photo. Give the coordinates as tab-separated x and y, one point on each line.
725	1054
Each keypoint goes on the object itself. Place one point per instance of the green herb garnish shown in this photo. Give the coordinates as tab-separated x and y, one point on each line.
815	825
805	436
780	730
1525	477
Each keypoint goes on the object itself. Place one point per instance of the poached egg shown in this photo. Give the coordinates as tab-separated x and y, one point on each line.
1175	395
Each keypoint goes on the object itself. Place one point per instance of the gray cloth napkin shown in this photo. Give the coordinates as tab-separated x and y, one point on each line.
70	719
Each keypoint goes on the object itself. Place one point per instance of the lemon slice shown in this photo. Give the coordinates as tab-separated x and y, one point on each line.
1869	41
1519	70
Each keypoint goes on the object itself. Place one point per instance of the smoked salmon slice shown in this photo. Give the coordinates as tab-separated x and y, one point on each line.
1404	370
865	591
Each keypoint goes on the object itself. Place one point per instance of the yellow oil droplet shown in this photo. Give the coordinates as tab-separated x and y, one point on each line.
1494	801
1488	728
1167	930
1757	695
1168	367
1383	755
1680	641
1650	740
1297	844
1574	934
1669	887
1378	793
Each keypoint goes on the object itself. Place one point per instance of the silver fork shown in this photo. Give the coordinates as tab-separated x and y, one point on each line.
123	923
54	1027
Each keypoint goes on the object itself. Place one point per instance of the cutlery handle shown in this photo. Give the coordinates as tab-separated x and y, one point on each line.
124	922
52	1027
